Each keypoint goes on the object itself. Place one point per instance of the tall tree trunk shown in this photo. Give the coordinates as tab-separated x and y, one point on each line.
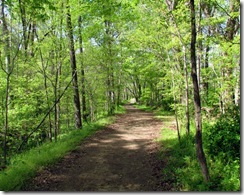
206	65
78	121
238	86
8	69
22	7
110	69
57	85
138	85
200	46
32	37
83	92
57	106
118	92
187	113
197	100
175	108
46	93
6	124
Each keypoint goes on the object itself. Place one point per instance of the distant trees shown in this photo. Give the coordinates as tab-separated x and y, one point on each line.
112	51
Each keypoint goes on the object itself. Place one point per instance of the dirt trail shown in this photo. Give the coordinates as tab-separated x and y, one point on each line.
121	157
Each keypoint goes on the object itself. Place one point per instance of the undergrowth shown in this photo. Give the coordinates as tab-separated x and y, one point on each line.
24	166
221	142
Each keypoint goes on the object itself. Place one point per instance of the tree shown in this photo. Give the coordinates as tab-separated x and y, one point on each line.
197	100
78	121
83	90
117	50
8	70
171	7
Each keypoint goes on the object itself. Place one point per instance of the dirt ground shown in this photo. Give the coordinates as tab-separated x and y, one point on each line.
120	158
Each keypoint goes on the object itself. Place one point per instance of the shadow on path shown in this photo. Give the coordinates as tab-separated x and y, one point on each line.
121	157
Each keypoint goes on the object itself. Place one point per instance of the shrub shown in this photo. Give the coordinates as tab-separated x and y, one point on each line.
223	138
222	144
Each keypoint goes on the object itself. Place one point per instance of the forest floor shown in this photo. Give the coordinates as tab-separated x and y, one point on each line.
121	157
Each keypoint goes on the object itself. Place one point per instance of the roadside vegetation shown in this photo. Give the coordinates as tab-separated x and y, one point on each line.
24	166
66	63
221	139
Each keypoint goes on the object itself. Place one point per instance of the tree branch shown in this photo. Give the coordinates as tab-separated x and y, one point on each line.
44	118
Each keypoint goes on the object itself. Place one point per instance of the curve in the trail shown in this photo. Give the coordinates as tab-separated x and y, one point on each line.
121	157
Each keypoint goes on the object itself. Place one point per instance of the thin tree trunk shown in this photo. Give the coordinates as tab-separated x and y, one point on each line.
57	87
118	92
92	109
110	69
206	65
6	124
199	56
78	121
8	71
83	92
57	106
237	87
175	109
24	24
138	87
176	119
197	101
32	38
56	94
46	115
187	114
47	96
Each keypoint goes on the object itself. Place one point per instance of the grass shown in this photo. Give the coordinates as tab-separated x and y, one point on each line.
181	169
24	166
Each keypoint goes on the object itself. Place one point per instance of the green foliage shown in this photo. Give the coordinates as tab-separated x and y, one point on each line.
222	143
224	176
181	169
25	165
141	55
223	138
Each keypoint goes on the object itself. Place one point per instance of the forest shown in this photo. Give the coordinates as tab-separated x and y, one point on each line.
66	64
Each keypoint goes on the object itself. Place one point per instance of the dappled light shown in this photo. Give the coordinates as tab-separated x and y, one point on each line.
120	157
120	95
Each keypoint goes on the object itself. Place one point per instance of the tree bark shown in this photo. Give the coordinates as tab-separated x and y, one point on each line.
83	92
22	7
78	121
200	46
187	113
175	109
8	69
197	100
110	69
46	93
206	65
57	84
